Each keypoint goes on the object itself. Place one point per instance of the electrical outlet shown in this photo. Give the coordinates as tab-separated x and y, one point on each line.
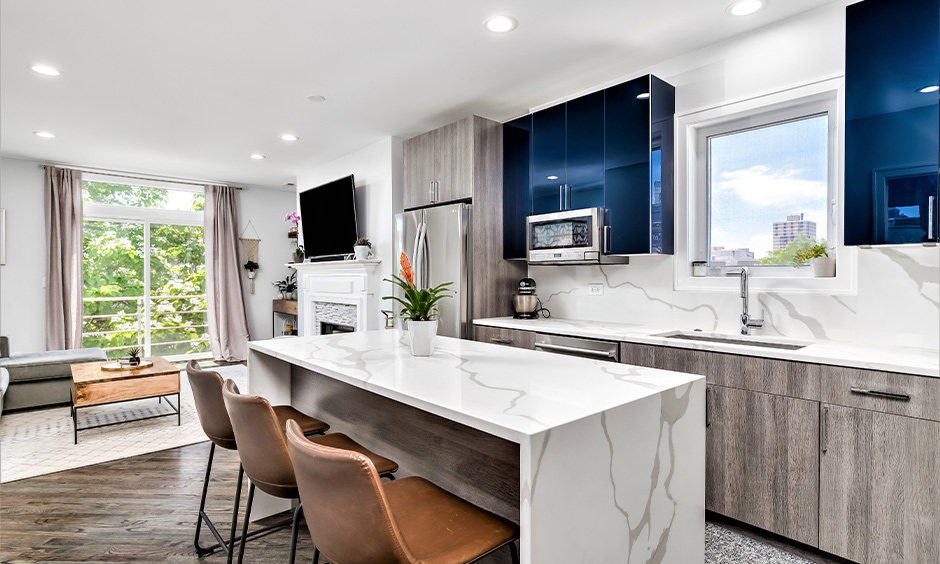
595	289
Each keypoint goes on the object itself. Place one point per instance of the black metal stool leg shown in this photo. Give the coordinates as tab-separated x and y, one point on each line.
202	504
241	544
316	555
293	532
238	495
514	552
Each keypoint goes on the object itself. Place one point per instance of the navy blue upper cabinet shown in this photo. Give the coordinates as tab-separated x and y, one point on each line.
585	149
892	129
638	194
517	198
549	157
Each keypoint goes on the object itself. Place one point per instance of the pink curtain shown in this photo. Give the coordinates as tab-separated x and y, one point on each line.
228	322
64	292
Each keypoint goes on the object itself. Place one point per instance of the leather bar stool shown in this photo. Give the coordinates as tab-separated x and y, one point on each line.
356	519
210	407
262	448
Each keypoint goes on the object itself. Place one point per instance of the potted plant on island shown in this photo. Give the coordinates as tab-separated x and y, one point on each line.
251	266
362	248
817	255
419	308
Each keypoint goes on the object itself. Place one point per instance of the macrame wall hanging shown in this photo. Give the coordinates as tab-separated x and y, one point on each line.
250	250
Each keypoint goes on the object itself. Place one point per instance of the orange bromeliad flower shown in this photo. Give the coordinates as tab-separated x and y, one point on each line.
406	273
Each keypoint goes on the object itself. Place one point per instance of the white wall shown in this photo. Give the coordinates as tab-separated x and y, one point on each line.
898	288
265	208
378	173
22	296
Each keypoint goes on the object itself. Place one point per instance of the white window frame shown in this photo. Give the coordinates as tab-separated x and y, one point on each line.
146	216
692	196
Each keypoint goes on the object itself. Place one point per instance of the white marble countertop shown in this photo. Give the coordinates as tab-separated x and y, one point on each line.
510	393
908	360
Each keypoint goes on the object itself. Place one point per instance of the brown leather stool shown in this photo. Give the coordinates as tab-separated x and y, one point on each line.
356	519
210	407
262	448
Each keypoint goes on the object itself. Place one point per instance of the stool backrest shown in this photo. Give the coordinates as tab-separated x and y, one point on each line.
262	447
210	407
344	504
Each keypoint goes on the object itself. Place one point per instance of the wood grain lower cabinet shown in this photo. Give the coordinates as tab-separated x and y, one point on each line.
509	337
761	463
879	486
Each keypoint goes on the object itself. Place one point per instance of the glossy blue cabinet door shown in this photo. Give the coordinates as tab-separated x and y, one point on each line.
585	151
892	129
548	159
517	197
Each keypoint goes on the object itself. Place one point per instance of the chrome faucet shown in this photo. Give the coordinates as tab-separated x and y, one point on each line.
746	322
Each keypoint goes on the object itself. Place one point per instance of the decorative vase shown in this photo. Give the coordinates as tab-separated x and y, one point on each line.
133	360
824	267
362	252
422	335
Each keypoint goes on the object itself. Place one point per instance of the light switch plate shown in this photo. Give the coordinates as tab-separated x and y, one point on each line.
595	289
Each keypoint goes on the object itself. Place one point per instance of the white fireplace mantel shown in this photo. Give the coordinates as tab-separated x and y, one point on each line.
346	282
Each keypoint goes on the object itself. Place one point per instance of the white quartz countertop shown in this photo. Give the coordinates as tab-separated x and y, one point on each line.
908	360
507	392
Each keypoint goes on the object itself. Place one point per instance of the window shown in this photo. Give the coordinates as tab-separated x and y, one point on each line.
768	192
144	269
762	181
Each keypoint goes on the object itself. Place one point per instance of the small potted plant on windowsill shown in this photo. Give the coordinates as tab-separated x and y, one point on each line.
362	248
817	255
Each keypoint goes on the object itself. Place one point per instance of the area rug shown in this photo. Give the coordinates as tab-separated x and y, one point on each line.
40	442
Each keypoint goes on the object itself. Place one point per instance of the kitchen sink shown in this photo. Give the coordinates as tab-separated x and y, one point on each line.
728	339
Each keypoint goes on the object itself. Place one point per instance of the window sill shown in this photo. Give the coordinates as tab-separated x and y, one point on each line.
786	280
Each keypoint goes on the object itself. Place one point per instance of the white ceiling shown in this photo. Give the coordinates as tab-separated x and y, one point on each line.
190	89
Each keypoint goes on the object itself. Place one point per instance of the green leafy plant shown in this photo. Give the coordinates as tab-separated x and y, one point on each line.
299	252
288	284
251	266
417	305
362	242
133	352
803	256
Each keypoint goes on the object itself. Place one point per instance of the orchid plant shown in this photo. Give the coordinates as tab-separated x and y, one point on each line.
418	305
292	217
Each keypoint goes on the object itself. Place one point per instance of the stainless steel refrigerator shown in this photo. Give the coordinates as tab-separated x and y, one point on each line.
436	241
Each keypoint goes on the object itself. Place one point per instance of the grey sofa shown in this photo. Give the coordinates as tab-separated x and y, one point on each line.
43	378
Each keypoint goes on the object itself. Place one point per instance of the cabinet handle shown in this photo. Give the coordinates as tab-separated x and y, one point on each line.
431	190
437	191
824	429
880	394
561	197
567	197
501	341
930	202
708	418
606	239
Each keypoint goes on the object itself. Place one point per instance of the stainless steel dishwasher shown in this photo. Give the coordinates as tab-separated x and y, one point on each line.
577	346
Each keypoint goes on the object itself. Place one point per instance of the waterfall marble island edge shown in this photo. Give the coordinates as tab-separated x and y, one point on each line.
611	457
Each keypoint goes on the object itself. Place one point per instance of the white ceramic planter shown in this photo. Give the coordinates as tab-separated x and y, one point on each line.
362	252
421	334
824	267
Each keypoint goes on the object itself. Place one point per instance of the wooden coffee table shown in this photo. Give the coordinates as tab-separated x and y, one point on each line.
93	386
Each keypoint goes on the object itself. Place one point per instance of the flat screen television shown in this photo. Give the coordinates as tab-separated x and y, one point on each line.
328	217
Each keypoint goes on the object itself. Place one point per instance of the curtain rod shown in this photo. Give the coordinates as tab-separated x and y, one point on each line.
119	174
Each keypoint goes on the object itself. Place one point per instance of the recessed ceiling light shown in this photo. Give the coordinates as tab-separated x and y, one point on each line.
643	96
46	70
289	137
929	89
552	177
316	98
745	7
500	24
44	134
257	156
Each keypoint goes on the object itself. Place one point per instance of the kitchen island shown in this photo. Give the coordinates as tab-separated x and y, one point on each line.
596	461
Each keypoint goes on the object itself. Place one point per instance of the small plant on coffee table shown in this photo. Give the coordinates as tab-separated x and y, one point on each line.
133	356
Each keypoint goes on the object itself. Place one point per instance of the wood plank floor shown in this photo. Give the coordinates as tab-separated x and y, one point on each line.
140	509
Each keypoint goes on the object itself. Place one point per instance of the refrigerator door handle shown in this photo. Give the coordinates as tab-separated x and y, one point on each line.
420	255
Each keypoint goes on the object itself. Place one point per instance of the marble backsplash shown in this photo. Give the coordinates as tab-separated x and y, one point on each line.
897	300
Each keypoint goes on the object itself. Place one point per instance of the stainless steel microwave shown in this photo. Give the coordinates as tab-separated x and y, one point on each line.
569	237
